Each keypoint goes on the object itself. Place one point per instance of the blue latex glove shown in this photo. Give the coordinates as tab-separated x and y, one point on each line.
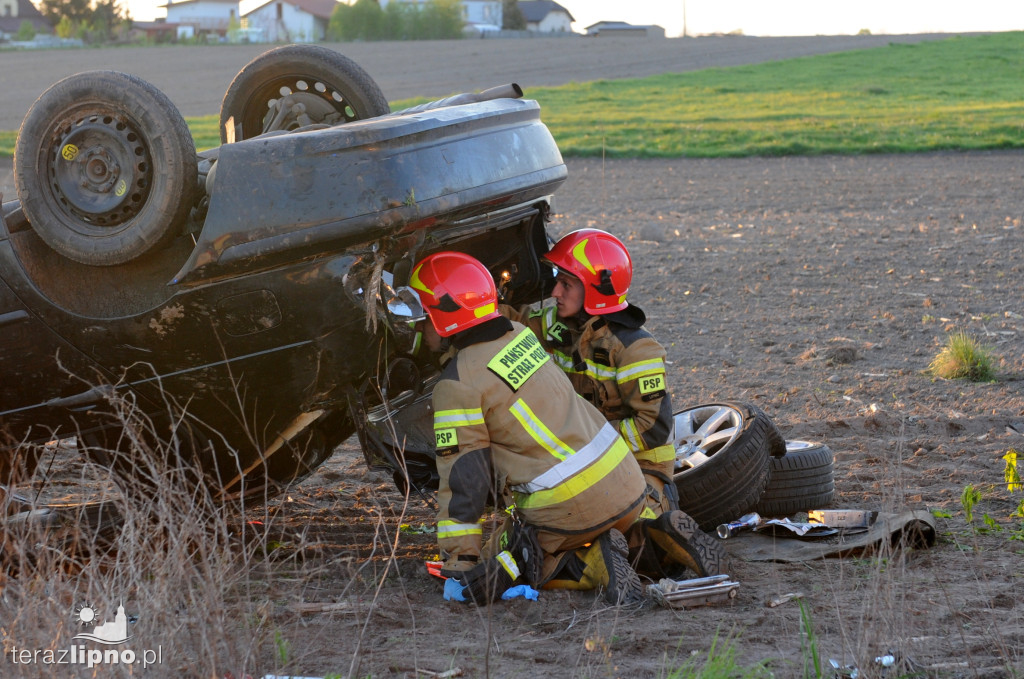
453	590
524	591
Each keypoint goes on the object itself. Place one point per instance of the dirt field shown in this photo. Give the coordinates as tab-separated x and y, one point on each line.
752	272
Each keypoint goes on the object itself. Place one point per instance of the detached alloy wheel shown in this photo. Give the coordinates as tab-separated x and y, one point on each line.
803	479
105	168
722	460
297	85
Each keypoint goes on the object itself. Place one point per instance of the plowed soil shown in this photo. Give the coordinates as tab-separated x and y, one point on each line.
819	289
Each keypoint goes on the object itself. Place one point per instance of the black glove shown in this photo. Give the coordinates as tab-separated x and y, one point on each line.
523	543
487	581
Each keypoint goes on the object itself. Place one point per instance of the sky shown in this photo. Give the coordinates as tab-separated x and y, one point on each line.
774	17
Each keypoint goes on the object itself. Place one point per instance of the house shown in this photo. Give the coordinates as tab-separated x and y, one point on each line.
484	13
481	15
202	17
621	28
14	12
287	20
545	16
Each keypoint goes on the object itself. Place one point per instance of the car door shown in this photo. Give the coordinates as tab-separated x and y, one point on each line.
44	381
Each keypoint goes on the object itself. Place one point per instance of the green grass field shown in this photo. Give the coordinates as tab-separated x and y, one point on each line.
960	93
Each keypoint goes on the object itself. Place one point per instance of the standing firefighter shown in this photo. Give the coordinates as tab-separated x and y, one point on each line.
510	430
599	341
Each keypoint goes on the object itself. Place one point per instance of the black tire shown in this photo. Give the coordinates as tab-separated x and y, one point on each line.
105	168
332	88
722	460
776	441
800	481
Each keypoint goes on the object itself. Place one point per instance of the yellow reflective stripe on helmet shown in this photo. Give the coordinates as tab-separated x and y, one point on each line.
539	431
659	454
479	312
639	369
508	563
417	284
449	528
629	431
445	419
580	253
578	483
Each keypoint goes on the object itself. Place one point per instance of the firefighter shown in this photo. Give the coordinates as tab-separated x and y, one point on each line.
510	431
598	339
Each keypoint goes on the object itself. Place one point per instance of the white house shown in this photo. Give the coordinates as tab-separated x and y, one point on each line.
482	13
546	16
14	12
475	13
288	20
198	17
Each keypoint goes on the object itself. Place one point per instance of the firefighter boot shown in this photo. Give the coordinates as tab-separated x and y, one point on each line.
676	538
602	564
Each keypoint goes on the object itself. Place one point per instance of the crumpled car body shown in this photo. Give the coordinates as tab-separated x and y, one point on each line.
258	337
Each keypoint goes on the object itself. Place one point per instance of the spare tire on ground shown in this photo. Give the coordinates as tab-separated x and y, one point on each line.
722	460
801	480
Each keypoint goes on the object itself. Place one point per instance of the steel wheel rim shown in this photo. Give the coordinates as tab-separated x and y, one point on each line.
321	101
100	171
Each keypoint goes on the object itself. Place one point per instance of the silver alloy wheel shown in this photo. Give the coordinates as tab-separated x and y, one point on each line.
702	432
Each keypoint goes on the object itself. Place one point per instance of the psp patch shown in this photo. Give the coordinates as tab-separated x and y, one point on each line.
652	383
445	438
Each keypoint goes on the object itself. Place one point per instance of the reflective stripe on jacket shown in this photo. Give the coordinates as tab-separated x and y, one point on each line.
617	366
506	418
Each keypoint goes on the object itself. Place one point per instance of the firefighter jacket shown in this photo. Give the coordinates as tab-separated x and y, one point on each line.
507	422
614	363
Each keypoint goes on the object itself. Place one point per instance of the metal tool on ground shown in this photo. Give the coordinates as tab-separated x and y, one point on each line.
697	592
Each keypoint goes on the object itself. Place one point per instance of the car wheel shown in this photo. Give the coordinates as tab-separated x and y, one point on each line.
297	85
801	480
776	441
722	460
105	168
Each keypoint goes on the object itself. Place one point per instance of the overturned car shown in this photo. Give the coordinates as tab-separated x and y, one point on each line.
249	299
248	304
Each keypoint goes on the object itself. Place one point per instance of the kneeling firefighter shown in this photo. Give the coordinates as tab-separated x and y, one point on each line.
599	341
510	431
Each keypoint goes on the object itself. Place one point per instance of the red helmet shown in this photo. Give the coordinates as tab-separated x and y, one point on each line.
456	291
602	262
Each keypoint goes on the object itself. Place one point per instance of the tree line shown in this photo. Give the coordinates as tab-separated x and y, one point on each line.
98	21
93	21
432	20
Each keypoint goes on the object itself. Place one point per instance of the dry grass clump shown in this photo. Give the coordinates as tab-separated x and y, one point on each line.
963	357
157	543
